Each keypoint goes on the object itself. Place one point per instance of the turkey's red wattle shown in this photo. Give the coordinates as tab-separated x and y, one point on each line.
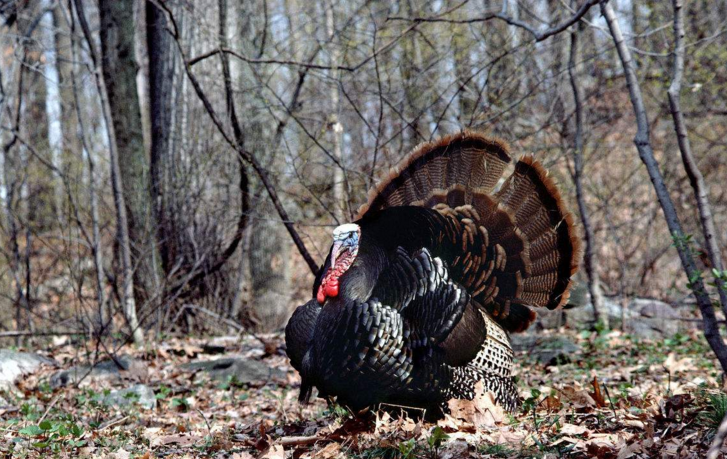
330	284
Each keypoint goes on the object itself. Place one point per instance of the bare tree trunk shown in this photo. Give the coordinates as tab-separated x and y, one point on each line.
334	125
696	180
119	67
53	104
269	250
13	165
127	291
589	257
643	144
104	318
161	78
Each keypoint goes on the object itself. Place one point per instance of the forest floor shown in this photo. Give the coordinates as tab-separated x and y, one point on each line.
615	397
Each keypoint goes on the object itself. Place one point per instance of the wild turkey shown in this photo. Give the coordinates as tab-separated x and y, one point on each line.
415	301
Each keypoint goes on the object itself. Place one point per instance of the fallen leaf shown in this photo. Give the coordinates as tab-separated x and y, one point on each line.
178	439
331	450
482	411
121	454
673	365
578	398
274	452
597	393
572	429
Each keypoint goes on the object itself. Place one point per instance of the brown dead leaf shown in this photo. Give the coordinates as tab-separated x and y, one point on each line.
448	423
332	450
572	429
274	452
674	366
629	451
551	403
634	423
597	393
579	398
481	411
178	439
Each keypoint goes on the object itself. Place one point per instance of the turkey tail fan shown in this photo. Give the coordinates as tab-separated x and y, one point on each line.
551	251
539	213
466	162
513	248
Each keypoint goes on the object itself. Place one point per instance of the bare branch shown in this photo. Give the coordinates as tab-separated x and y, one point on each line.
129	304
242	153
589	255
696	179
643	144
307	65
538	35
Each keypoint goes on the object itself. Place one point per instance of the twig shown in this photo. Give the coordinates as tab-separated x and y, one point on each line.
216	316
13	334
716	446
112	423
209	429
308	65
50	406
605	388
290	441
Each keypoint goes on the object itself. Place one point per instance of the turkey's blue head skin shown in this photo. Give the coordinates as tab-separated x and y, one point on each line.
342	255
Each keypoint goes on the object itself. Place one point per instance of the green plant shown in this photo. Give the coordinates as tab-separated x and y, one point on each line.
496	450
181	403
435	440
407	449
719	277
715	410
56	435
380	452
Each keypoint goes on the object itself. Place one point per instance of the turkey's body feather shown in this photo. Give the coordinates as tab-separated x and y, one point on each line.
445	269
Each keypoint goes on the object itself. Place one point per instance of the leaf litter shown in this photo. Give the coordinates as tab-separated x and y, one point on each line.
618	398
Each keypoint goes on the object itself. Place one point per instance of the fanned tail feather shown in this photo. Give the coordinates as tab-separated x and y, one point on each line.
516	247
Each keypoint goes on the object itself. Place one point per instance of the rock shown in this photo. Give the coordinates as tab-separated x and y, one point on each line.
581	317
244	371
655	319
548	350
139	394
126	368
14	364
549	320
645	317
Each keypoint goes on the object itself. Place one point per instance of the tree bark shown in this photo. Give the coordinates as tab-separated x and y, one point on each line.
334	125
53	104
161	78
643	144
268	250
119	69
127	290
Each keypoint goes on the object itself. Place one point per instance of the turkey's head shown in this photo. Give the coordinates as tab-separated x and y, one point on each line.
343	253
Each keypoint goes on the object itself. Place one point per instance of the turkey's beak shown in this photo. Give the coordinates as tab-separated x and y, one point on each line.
336	252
